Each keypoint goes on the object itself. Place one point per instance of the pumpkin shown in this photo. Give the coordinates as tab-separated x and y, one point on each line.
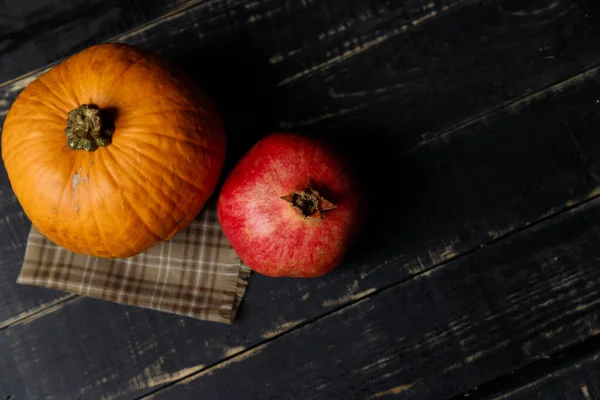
112	151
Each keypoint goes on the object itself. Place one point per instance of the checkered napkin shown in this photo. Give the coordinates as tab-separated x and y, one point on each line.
196	273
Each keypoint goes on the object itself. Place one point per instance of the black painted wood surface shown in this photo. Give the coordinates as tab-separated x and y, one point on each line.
571	373
484	113
434	336
35	33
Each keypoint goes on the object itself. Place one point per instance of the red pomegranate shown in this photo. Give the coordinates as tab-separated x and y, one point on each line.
290	207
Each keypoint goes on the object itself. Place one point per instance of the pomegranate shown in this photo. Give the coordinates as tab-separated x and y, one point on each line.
290	207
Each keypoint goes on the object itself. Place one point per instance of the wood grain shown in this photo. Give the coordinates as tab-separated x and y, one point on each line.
571	373
464	190
435	336
577	382
439	64
35	33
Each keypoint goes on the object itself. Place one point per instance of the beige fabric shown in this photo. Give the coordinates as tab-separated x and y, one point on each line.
196	273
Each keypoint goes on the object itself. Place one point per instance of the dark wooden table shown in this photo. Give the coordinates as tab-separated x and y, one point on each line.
481	279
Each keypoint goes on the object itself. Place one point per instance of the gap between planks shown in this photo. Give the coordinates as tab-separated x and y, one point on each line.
258	347
376	41
543	369
309	71
513	104
134	31
39	312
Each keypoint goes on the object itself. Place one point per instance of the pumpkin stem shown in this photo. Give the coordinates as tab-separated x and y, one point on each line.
309	203
86	129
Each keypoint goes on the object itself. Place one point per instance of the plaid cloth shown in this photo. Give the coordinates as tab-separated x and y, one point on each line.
196	273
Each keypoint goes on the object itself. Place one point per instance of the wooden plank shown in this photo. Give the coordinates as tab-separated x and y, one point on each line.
465	190
435	336
255	48
35	33
571	373
120	361
580	381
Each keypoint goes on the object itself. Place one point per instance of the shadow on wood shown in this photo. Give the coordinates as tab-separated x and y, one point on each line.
394	186
241	83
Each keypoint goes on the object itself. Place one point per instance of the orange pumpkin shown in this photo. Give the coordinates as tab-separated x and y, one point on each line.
112	151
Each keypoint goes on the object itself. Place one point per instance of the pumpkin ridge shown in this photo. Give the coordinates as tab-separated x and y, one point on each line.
94	218
47	120
92	56
63	69
124	197
34	99
184	139
133	166
68	99
41	141
149	181
97	223
213	151
65	188
122	74
88	241
7	153
175	173
155	133
141	113
145	99
57	99
153	130
15	151
115	221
